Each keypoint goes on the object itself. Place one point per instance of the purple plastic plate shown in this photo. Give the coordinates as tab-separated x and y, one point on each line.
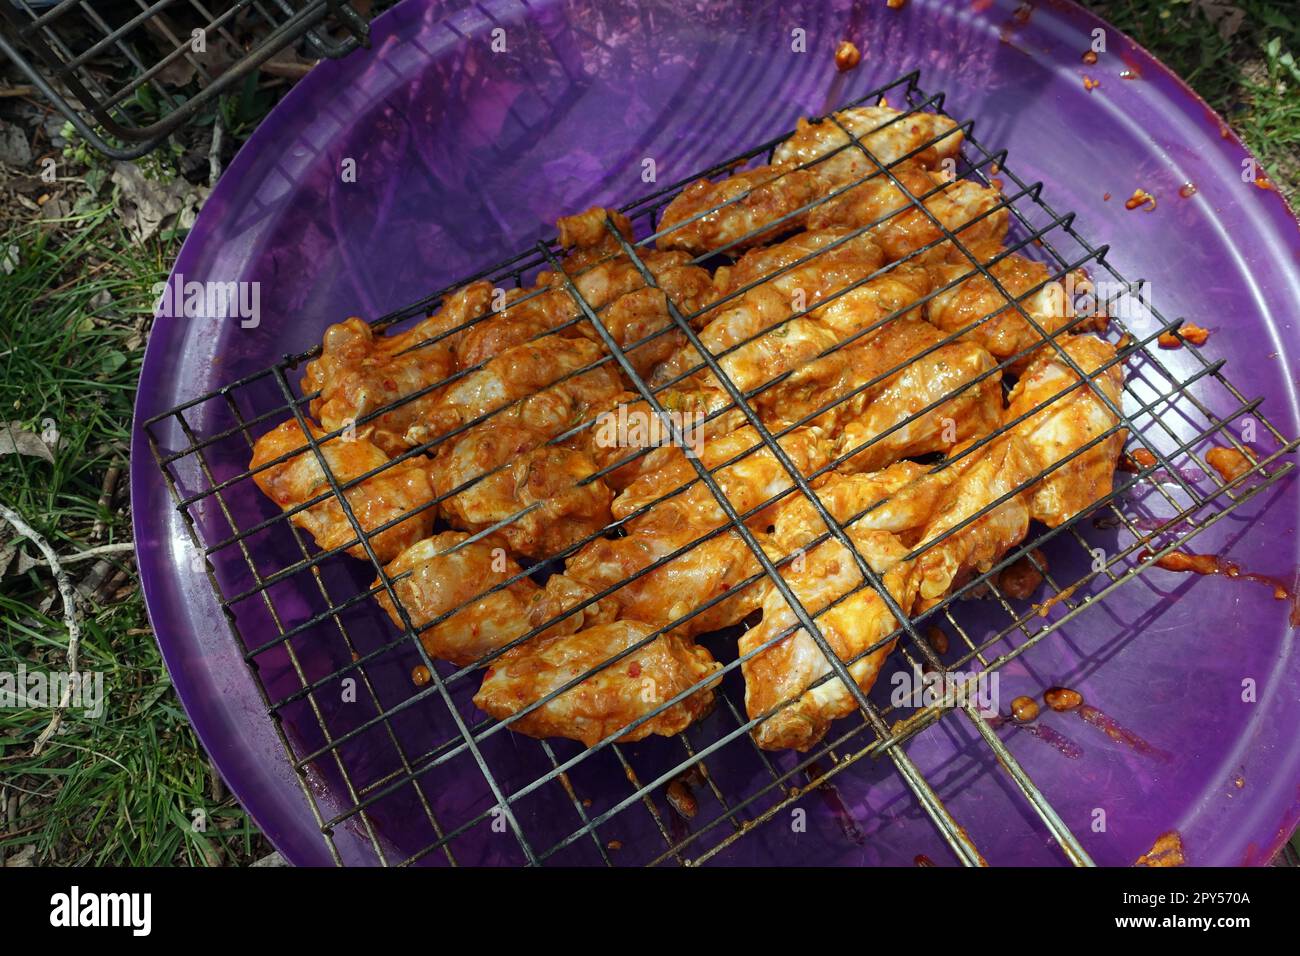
464	155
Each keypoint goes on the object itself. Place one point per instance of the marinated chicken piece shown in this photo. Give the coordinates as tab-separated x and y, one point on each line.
541	496
772	306
442	573
564	600
836	259
885	132
743	320
782	673
398	490
896	293
643	310
1008	465
1004	467
518	316
975	305
898	500
1068	423
774	299
892	423
873	324
631	438
874	390
614	288
359	371
588	233
618	693
791	347
542	381
711	566
731	214
753	478
507	466
901	228
758	342
598	268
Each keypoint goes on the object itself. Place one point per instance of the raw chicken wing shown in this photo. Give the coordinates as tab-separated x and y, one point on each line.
387	496
615	696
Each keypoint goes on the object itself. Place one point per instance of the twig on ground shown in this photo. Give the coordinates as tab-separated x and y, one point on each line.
20	832
117	548
69	616
109	587
105	500
214	153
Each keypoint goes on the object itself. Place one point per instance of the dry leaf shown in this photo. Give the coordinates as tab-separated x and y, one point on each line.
15	151
145	205
24	857
16	440
1227	17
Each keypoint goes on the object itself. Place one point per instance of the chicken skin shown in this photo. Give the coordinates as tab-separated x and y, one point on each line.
783	672
543	382
897	500
893	425
802	348
972	485
975	213
1069	422
442	573
730	214
382	498
606	702
974	305
707	569
754	478
885	132
360	371
539	497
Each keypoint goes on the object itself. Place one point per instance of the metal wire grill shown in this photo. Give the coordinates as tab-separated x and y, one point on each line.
108	55
431	735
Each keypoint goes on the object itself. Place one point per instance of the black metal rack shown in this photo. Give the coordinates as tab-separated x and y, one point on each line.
59	48
1150	396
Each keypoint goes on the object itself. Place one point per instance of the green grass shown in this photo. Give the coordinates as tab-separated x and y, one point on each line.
123	789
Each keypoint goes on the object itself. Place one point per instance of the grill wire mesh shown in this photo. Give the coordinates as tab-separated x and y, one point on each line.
60	48
613	789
